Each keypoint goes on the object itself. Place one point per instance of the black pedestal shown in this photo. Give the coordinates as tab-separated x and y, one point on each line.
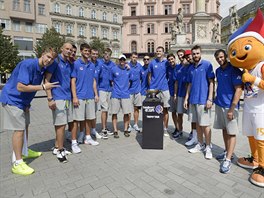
152	124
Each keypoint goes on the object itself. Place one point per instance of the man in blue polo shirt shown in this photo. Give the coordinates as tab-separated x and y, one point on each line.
229	90
16	97
158	81
120	98
59	98
105	89
144	77
135	88
84	96
200	96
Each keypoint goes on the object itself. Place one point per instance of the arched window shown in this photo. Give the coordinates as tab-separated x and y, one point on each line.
151	46
104	16
133	46
133	29
81	12
57	8
93	14
68	10
115	18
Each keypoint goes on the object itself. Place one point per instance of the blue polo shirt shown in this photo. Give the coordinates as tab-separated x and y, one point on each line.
181	77
104	73
158	75
144	80
135	71
27	72
227	79
171	76
61	72
199	78
84	74
121	81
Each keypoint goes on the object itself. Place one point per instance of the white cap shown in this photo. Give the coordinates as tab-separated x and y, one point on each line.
122	56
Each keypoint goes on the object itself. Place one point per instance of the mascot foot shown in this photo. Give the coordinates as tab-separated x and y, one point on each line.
247	162
257	177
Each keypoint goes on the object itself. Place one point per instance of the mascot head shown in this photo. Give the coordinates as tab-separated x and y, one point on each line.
246	46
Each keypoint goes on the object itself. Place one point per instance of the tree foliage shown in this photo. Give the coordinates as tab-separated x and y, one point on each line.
51	38
8	54
97	44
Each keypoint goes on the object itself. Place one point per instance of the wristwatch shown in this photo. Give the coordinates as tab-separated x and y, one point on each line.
50	99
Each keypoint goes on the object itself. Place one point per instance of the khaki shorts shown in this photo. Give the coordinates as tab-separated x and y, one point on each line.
15	118
200	114
124	104
253	125
62	115
104	100
165	98
221	121
143	98
136	100
173	105
180	108
85	111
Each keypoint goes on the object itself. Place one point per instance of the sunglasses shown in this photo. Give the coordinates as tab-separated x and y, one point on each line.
146	59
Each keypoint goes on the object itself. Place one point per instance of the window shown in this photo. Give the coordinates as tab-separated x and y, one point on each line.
167	28
133	11
24	43
57	8
167	46
16	4
115	53
41	9
81	30
28	27
41	28
2	4
93	14
93	31
26	5
133	29
115	34
57	27
167	9
104	33
6	23
115	18
186	8
68	10
69	29
81	12
150	10
151	47
133	46
16	26
150	29
187	27
104	16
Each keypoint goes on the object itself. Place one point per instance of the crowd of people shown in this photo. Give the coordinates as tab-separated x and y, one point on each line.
77	88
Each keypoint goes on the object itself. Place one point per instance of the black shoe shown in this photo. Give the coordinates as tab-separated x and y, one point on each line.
177	135
116	134
126	133
61	156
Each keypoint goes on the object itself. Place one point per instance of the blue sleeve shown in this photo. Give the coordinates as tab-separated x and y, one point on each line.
174	75
74	71
150	67
237	77
189	75
210	72
24	72
111	74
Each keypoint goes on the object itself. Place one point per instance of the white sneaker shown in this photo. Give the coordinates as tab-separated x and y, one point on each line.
55	151
208	152
75	148
97	135
136	128
198	148
192	141
91	142
81	138
165	131
129	128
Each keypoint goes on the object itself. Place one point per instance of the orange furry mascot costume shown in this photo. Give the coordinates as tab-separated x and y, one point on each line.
246	51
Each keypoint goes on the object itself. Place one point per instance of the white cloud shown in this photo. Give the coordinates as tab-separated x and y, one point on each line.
226	4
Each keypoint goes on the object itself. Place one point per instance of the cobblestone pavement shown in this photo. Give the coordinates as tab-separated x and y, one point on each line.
121	168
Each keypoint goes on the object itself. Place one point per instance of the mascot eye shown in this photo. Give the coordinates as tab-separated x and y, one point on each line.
248	47
234	53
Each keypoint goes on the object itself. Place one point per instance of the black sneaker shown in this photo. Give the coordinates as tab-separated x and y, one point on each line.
61	156
190	136
116	134
177	135
126	133
175	132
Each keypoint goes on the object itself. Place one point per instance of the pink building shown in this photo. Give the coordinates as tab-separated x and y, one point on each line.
147	24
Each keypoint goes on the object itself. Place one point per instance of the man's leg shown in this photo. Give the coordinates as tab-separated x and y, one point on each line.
136	115
114	121
60	135
88	138
165	118
104	116
230	143
17	142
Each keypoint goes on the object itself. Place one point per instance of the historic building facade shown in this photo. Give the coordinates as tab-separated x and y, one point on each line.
147	24
79	20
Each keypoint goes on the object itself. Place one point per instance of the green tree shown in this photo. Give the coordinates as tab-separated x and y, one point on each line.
8	54
98	44
51	38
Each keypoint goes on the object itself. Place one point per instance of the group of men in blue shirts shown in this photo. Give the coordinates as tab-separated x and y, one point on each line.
75	87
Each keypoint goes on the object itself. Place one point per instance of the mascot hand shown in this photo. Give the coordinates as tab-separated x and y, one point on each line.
247	77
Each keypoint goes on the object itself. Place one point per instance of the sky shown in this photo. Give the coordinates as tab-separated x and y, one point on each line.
226	4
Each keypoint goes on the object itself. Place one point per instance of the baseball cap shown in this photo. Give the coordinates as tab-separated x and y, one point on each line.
122	56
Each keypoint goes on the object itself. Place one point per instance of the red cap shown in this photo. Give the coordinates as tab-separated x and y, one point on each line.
187	52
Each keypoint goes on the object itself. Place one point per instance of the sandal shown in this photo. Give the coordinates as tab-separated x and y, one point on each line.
116	134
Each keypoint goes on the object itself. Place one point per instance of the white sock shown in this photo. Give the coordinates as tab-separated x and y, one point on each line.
88	137
74	141
18	161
